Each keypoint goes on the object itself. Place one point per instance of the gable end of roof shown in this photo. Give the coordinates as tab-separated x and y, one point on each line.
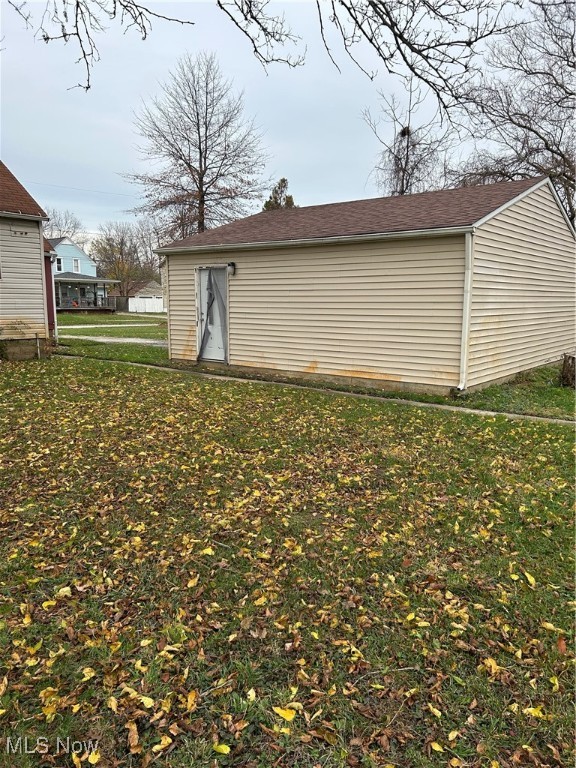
543	182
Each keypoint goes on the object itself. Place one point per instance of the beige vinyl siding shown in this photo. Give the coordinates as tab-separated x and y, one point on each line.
181	285
387	310
522	311
22	299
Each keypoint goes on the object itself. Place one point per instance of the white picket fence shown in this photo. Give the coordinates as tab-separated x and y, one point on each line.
146	304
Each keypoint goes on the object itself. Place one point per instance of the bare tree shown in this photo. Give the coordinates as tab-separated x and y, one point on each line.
415	154
435	41
118	257
206	153
523	108
149	234
64	223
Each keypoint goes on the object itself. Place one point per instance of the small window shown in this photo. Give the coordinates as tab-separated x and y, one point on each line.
76	265
59	264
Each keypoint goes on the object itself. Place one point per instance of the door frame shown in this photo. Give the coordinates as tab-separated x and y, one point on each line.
197	302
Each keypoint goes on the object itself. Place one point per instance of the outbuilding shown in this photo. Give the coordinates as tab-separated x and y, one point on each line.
437	291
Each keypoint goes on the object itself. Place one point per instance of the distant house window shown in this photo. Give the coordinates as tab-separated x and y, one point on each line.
76	265
58	264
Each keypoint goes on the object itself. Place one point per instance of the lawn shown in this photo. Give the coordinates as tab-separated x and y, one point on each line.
535	392
66	319
199	572
131	353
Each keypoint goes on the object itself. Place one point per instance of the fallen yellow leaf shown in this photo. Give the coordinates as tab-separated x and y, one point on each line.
286	714
132	734
165	741
530	579
260	601
550	627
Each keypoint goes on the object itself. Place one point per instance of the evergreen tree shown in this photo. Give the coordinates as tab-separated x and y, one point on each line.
279	197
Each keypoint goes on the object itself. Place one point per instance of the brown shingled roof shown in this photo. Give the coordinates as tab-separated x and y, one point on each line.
459	207
14	198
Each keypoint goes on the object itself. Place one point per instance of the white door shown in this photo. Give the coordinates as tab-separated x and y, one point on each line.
212	314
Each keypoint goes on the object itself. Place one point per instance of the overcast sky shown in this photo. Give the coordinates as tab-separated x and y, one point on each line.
56	138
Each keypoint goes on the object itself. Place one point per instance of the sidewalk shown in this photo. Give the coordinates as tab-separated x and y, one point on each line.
116	339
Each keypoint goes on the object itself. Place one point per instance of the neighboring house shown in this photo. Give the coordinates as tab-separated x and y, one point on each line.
49	256
436	291
75	280
24	320
143	289
144	296
152	290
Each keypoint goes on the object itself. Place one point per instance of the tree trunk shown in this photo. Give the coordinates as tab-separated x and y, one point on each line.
568	372
201	212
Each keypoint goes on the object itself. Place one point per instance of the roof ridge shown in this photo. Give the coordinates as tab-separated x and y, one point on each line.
455	207
412	195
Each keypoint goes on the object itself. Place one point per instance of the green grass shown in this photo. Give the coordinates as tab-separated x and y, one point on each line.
131	353
66	319
178	556
157	331
535	392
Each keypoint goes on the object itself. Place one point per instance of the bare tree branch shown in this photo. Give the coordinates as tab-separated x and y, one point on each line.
82	21
414	155
65	224
524	104
433	41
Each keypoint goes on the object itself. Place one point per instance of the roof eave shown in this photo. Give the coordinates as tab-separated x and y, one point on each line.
86	279
348	239
27	216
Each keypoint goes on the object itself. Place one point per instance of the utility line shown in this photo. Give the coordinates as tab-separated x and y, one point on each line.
79	189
